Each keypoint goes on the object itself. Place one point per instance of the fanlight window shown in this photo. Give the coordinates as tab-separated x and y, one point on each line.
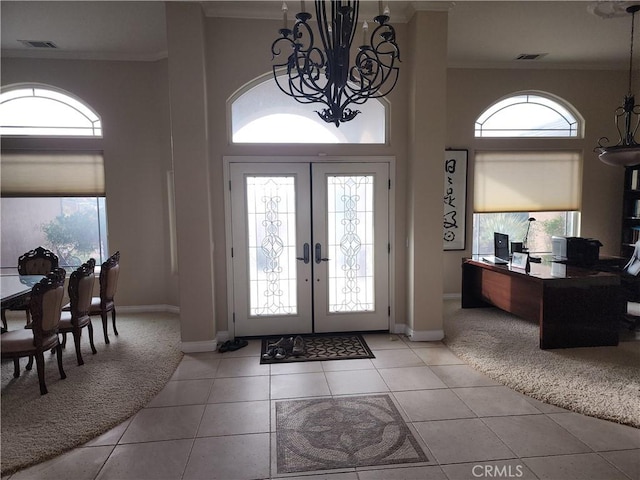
528	115
37	110
262	113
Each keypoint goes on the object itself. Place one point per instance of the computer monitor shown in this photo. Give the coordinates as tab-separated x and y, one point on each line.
501	245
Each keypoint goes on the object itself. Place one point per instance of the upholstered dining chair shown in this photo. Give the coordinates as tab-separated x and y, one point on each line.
38	261
45	305
77	317
109	272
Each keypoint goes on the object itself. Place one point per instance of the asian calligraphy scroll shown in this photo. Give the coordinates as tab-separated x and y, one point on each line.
455	199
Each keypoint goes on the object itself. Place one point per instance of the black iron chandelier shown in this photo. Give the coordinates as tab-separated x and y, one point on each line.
627	150
324	73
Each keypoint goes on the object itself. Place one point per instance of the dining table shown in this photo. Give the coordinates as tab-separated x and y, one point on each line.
14	289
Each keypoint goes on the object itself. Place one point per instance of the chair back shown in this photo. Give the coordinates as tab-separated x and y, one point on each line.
80	289
46	304
38	261
109	273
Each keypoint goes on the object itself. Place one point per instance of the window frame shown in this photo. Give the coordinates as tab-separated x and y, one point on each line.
268	77
57	95
563	109
56	143
530	143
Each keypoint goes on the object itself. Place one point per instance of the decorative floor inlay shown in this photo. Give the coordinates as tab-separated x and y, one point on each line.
324	347
344	432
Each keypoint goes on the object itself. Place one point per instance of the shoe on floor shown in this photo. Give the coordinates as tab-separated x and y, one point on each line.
237	344
285	343
270	353
298	346
280	354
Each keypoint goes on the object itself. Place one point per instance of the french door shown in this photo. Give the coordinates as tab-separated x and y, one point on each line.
310	247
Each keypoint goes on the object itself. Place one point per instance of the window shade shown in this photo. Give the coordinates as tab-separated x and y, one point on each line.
527	181
51	174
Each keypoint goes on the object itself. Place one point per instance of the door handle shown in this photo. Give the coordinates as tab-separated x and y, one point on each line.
305	253
319	254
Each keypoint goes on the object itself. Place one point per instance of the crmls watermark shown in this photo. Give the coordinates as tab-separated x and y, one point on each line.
495	471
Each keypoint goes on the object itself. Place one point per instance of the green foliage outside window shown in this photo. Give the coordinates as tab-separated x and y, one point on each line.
73	236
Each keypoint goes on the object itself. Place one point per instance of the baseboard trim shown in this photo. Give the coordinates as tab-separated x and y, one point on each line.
424	335
196	347
147	309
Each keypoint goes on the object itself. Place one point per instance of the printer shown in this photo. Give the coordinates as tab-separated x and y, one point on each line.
579	251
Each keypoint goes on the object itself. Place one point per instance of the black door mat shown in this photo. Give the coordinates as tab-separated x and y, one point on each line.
342	432
323	347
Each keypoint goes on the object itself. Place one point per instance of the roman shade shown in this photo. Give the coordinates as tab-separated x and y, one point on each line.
527	181
51	174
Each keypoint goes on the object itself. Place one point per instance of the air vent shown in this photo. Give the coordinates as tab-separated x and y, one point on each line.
530	56
38	43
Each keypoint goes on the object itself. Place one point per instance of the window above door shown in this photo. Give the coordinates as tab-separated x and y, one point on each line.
261	113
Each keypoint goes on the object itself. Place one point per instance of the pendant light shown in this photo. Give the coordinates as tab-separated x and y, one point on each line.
627	151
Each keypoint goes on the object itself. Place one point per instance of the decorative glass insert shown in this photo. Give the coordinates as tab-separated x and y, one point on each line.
38	110
350	223
271	222
528	115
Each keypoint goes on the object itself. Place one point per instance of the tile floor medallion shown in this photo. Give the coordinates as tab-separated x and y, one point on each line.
346	432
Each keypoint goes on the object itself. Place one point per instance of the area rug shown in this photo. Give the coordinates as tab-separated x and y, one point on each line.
602	382
344	432
109	388
324	347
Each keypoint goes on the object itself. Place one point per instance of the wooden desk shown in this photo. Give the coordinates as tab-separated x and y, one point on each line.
574	307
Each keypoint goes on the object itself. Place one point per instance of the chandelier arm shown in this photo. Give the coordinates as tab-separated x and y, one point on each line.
633	18
323	74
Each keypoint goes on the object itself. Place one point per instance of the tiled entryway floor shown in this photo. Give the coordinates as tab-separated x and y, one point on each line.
215	420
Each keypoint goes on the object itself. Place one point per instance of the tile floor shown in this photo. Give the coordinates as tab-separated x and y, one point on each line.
214	420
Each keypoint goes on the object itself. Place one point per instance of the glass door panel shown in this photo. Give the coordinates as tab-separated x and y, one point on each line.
350	223
270	226
271	245
350	243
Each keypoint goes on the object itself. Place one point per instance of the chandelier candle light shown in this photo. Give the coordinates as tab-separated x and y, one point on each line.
627	151
323	73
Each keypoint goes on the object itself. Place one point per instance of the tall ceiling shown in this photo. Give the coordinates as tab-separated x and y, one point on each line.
481	33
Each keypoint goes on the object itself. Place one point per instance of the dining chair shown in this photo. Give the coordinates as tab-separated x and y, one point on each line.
77	317
109	272
38	261
45	304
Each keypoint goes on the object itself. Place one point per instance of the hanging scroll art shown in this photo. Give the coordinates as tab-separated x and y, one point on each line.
455	199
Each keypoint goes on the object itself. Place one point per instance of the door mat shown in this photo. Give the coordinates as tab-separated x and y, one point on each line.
324	347
343	432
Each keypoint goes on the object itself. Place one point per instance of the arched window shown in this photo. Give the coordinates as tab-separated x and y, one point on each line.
261	113
51	196
529	194
45	111
529	114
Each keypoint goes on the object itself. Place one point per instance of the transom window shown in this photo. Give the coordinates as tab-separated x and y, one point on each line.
261	113
528	115
45	111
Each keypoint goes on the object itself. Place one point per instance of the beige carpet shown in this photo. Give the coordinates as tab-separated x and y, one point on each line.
601	382
95	397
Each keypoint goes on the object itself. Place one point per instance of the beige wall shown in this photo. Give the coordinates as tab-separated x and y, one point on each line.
230	69
431	108
594	94
132	99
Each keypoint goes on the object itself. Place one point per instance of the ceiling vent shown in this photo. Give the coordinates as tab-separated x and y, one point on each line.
38	43
530	56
